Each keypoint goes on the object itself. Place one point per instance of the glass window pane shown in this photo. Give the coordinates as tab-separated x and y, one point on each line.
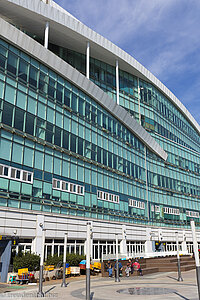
19	119
80	146
43	83
66	140
51	88
67	97
59	92
74	102
18	174
73	143
33	76
23	70
57	138
29	124
49	133
12	63
7	114
81	106
2	62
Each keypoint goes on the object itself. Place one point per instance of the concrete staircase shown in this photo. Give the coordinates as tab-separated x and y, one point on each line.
169	264
154	265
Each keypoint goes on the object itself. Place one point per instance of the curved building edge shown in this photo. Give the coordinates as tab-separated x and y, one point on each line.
27	44
58	17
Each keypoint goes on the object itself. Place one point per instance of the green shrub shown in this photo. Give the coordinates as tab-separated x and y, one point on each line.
72	259
26	260
54	260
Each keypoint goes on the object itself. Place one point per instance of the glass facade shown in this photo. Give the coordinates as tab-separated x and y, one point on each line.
61	152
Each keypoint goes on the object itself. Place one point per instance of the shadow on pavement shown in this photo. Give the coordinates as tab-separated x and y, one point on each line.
53	287
181	296
172	277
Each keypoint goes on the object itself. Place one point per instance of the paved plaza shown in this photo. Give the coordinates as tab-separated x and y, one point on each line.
155	286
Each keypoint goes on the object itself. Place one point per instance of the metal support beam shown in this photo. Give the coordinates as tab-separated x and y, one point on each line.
88	60
117	81
46	35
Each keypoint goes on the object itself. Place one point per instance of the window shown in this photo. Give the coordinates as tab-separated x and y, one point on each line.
65	140
107	196
171	211
57	137
73	143
51	88
136	204
19	119
7	114
68	187
29	126
12	63
33	76
67	97
193	214
16	174
23	70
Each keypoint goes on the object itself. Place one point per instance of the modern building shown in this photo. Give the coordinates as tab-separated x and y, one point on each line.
87	133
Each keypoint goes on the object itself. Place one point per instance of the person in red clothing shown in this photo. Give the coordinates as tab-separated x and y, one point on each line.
137	267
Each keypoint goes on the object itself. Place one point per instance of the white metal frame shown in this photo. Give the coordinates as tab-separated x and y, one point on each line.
136	203
69	187
107	196
12	173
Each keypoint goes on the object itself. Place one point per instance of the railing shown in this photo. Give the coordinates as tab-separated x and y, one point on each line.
164	254
145	255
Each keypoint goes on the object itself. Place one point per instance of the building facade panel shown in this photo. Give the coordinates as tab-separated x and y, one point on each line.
69	153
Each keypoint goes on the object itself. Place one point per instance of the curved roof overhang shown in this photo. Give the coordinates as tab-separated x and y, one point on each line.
67	31
39	52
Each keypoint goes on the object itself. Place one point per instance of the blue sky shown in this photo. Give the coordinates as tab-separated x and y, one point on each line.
163	35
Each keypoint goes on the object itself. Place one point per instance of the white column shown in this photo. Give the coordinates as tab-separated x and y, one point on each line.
117	81
184	245
88	60
139	96
46	35
37	242
195	244
148	243
42	248
123	246
91	241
